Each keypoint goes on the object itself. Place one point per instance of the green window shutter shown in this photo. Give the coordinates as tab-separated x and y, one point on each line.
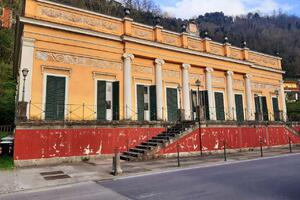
116	100
239	108
276	109
219	106
264	108
101	100
153	114
55	98
140	102
257	108
204	96
172	104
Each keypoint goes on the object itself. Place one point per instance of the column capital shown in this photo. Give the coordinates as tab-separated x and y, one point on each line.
281	82
128	56
209	69
248	76
29	42
229	73
159	61
186	66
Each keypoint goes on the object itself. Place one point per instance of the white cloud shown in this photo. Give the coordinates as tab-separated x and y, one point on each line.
190	8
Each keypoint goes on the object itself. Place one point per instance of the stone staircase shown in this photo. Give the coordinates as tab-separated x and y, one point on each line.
146	150
291	129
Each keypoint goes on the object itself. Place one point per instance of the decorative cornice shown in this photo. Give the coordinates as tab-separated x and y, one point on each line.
68	28
141	41
78	9
127	19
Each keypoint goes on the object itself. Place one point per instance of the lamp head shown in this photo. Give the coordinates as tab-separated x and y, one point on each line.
198	83
25	72
179	88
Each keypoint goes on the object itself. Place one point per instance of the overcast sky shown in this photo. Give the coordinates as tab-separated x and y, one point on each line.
190	8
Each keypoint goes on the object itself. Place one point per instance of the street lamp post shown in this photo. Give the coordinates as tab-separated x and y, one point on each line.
25	73
199	104
179	91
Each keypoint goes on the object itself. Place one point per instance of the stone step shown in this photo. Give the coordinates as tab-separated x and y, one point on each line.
131	153
125	157
157	141
167	135
162	137
138	150
144	147
154	144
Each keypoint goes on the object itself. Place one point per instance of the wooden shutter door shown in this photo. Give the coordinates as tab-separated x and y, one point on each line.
276	109
219	106
101	100
264	108
239	108
116	100
204	96
140	102
257	108
55	98
172	104
153	114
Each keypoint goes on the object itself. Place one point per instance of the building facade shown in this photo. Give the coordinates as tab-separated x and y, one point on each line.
89	84
88	66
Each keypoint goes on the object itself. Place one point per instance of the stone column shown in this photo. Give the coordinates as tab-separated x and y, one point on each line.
249	114
27	55
208	80
282	95
159	90
127	85
186	91
230	96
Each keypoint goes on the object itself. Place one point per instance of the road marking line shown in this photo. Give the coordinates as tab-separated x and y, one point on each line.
199	166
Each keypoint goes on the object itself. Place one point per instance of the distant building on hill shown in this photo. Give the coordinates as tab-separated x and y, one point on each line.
5	18
292	90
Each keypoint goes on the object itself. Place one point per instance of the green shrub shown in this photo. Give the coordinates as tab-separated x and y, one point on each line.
6	162
293	110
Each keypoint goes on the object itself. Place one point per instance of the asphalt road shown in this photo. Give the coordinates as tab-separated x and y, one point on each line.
273	178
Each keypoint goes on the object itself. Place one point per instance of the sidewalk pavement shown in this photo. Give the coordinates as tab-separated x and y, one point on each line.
48	176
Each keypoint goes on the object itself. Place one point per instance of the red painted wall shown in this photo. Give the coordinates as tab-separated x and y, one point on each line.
48	143
236	138
44	143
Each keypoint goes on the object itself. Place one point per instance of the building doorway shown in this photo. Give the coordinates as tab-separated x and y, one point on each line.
172	104
107	100
146	102
55	98
239	107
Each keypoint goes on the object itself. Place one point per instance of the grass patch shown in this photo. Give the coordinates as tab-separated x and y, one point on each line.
3	134
6	162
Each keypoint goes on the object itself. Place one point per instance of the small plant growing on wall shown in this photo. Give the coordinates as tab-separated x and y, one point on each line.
85	159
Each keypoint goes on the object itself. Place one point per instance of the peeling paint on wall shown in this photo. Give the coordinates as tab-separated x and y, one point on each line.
235	138
49	143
